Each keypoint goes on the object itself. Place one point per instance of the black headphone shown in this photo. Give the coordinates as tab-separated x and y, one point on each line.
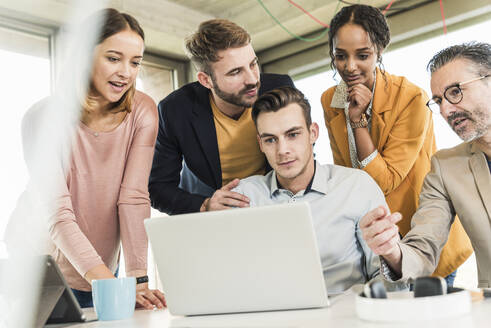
423	286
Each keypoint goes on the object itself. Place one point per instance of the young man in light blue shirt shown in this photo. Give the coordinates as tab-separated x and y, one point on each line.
338	196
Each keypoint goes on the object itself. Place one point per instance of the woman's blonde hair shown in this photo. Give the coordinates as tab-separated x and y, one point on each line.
112	22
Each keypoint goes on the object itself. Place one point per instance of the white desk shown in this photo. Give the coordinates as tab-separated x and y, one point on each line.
340	314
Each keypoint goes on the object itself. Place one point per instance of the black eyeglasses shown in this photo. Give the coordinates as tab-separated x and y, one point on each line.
453	94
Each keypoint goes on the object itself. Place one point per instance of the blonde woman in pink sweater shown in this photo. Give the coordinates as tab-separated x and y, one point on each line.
105	198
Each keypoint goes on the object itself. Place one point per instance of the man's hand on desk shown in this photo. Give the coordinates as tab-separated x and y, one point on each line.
382	235
148	298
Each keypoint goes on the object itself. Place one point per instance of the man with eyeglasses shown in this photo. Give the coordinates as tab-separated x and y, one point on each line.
459	182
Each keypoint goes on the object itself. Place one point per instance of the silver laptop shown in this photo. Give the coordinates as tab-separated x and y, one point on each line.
239	260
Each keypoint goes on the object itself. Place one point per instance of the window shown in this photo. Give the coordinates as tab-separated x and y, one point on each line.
26	78
313	87
155	80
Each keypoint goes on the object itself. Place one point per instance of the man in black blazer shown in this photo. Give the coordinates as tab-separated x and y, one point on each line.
190	162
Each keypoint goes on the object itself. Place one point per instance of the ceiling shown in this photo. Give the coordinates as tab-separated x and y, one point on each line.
173	20
168	22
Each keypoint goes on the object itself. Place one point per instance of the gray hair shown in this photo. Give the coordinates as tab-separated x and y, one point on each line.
476	52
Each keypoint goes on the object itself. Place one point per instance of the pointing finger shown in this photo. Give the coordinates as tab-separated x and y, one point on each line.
375	214
231	185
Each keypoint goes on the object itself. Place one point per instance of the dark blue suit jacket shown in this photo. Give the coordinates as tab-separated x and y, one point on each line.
186	164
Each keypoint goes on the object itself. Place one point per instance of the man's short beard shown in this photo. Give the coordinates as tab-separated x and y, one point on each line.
476	135
478	119
235	98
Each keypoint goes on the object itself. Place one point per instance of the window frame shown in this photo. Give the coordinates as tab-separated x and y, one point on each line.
178	68
32	26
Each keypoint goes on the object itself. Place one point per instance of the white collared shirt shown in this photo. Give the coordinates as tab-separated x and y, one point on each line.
339	101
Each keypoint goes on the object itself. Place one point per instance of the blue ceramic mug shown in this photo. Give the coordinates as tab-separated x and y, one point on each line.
114	299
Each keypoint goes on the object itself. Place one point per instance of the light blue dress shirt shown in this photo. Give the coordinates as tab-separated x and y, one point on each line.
338	198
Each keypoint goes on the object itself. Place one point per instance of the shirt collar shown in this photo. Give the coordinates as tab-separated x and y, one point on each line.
273	184
317	183
320	180
309	186
341	94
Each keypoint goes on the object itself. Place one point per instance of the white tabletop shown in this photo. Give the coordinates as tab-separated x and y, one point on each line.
340	314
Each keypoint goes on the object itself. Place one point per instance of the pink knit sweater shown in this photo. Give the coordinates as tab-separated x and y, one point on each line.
106	196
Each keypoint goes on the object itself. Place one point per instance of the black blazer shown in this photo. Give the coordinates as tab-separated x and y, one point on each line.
186	164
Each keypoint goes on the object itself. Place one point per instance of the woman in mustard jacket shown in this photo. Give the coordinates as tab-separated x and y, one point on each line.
379	122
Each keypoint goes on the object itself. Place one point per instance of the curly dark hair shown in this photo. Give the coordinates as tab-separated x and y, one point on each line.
369	18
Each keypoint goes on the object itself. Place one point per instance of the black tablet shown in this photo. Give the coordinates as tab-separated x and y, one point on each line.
57	304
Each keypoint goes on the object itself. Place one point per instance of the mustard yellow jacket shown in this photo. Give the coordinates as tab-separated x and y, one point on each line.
402	133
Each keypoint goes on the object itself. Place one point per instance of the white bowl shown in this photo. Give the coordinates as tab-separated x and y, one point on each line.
403	306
